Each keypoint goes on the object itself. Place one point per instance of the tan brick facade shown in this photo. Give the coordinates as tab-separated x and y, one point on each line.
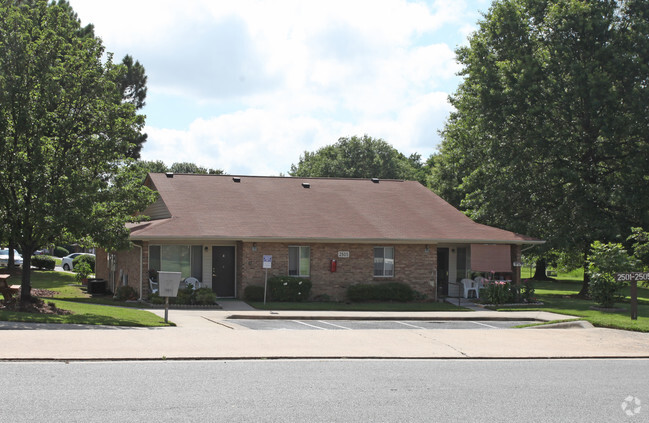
413	265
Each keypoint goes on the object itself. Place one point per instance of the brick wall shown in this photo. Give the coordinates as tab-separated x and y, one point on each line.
413	266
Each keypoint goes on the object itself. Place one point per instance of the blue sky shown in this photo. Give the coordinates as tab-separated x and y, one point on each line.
248	86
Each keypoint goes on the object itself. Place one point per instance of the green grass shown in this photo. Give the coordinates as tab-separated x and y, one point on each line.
87	310
336	306
561	297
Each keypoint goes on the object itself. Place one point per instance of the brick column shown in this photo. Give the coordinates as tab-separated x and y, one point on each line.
516	257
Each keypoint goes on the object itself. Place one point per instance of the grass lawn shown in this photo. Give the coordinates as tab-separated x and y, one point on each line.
87	310
335	306
560	297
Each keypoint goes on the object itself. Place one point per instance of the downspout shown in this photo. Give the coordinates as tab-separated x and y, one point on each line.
140	247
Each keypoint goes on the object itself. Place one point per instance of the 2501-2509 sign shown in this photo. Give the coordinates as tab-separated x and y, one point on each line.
632	276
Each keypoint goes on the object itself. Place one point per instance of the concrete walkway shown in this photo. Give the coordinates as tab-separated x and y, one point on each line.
214	334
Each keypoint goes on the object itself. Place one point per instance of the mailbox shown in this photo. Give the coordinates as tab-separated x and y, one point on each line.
169	282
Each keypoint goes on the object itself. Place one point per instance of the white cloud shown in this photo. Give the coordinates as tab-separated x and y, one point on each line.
272	79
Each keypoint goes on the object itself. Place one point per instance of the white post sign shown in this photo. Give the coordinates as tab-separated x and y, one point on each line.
268	263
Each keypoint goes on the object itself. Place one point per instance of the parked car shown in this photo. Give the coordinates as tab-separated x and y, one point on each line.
66	262
4	257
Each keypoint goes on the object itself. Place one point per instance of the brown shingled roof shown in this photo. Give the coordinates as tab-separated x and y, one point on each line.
313	209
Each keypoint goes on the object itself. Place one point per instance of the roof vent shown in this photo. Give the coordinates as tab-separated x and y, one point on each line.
306	185
375	180
169	174
236	179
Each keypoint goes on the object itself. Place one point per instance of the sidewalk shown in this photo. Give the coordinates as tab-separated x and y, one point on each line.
214	334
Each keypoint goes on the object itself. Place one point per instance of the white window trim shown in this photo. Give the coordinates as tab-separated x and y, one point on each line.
299	247
374	258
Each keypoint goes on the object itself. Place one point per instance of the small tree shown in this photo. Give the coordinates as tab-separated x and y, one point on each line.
604	261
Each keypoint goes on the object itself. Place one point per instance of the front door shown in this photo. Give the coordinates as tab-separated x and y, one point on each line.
442	272
223	271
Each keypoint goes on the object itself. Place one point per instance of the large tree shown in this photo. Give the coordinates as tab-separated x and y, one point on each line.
550	136
356	157
65	132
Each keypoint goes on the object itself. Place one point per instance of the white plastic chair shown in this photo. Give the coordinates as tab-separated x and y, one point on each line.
470	285
153	286
193	282
480	280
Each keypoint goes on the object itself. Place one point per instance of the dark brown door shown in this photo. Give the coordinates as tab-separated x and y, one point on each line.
442	271
223	271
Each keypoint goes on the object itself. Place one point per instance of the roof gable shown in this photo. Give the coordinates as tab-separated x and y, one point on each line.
323	209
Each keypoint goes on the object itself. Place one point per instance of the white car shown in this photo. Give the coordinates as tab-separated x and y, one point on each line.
66	262
4	258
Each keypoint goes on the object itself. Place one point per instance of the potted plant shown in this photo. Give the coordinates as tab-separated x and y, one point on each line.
83	270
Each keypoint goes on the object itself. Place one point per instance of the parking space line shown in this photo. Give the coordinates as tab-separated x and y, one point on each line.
484	324
408	324
306	324
336	326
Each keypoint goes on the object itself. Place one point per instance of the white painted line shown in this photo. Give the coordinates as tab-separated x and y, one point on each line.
336	326
408	324
483	324
306	324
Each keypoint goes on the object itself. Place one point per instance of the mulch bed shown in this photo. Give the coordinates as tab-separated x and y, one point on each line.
37	305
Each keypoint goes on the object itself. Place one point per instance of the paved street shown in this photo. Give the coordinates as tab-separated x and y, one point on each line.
275	324
327	391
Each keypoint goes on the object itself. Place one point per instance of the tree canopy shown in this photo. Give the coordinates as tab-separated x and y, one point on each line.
356	157
551	129
158	166
66	130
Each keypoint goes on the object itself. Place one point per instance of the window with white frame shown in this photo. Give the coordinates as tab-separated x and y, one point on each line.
384	261
299	261
186	259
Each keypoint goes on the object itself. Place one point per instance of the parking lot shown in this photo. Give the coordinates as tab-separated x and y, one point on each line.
282	324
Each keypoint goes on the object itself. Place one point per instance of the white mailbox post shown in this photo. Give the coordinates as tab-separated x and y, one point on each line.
168	287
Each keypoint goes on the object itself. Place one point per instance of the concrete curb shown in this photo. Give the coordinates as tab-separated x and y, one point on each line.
577	324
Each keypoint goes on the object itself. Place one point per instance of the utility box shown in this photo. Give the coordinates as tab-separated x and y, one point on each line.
168	283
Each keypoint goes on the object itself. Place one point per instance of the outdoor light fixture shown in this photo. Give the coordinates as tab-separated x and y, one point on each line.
254	246
426	249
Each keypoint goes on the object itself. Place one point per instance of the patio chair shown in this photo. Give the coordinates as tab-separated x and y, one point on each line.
480	280
193	282
153	286
470	285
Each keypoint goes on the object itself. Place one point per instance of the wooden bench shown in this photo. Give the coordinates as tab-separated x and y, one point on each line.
8	291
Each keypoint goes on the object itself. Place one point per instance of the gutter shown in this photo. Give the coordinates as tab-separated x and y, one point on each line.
140	247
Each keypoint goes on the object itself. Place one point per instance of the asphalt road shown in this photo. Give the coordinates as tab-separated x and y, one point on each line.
286	324
327	391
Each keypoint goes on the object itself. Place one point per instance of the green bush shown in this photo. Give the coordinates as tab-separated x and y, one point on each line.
155	298
289	288
43	262
204	296
124	293
84	258
185	296
604	261
60	252
388	291
82	271
253	293
499	292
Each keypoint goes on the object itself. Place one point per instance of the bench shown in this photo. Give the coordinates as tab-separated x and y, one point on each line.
8	291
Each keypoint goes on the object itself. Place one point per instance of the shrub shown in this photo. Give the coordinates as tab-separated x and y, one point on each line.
185	296
43	262
499	292
204	296
253	293
84	258
604	260
124	293
527	292
155	298
82	270
389	291
289	288
60	252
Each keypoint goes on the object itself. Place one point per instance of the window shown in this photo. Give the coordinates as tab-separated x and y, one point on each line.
299	261
384	261
186	259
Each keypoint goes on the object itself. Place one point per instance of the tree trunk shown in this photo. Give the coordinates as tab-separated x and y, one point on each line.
585	284
539	272
11	261
26	285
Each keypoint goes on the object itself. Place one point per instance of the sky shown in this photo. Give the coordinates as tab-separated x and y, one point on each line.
248	86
